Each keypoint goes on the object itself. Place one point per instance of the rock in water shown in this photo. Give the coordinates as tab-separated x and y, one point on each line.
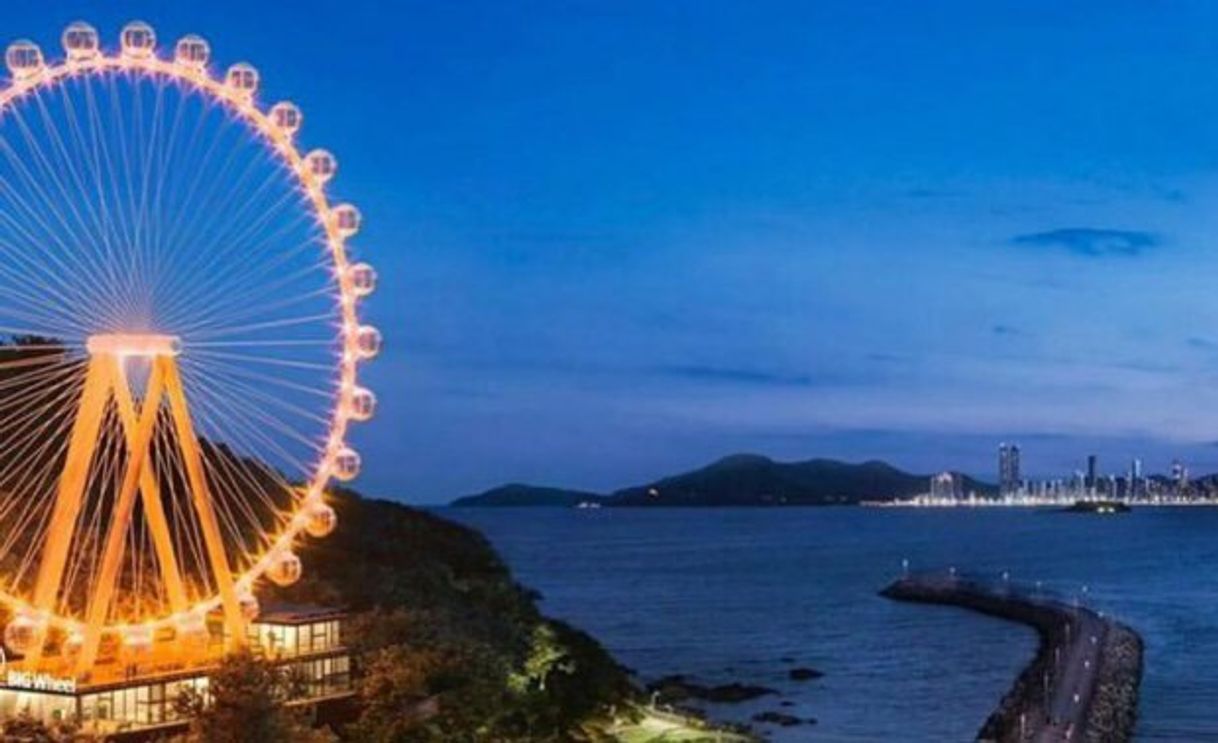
781	718
677	688
804	674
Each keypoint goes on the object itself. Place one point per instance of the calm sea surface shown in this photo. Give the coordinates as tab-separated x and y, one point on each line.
725	594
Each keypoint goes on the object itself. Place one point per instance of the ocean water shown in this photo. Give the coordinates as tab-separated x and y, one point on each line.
726	594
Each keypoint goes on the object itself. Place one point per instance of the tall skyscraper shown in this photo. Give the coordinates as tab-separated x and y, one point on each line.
1135	477
1008	469
1179	476
946	486
1091	482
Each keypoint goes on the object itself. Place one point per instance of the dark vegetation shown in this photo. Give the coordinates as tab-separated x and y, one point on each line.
448	646
740	480
246	695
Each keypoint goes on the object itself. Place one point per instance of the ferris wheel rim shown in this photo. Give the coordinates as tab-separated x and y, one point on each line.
239	100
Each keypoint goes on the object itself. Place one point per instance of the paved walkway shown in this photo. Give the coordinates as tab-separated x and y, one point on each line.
1073	675
656	726
1075	679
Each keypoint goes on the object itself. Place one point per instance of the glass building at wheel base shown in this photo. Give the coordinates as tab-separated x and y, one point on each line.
305	642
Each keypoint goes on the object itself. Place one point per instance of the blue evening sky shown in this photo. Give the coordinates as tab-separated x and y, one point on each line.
618	239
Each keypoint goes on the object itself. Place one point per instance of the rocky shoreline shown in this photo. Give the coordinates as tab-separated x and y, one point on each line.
686	695
1083	681
1114	710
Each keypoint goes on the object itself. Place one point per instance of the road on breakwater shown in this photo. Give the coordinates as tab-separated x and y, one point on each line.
1082	684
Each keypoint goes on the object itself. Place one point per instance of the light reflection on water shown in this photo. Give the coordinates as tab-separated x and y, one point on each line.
725	594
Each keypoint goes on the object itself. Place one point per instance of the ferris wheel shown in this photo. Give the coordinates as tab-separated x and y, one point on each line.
179	309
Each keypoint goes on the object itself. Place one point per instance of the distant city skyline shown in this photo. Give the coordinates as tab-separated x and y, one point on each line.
618	241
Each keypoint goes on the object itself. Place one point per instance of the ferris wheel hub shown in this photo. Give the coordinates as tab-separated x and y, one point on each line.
126	344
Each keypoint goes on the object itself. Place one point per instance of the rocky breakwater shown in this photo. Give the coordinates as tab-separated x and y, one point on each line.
1082	683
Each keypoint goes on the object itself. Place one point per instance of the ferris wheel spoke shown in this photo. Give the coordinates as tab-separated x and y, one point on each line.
187	538
95	225
41	324
209	329
236	204
248	212
47	173
264	282
66	161
34	525
220	367
226	416
240	389
34	517
71	228
44	311
214	201
93	194
21	488
235	412
264	360
176	226
109	183
245	529
22	482
232	445
37	386
18	467
248	218
234	274
51	272
127	197
167	161
102	137
47	361
89	525
42	275
244	330
147	216
250	479
152	157
307	343
86	574
34	385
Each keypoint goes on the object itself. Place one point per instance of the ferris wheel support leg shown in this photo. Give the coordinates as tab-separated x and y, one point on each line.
139	442
71	488
234	622
150	492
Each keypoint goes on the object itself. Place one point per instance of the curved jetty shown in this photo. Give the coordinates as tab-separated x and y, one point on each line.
1083	682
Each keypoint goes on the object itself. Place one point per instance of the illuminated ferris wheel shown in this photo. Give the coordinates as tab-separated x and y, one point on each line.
180	307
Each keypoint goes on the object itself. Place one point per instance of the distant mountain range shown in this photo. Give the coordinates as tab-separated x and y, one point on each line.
516	494
738	480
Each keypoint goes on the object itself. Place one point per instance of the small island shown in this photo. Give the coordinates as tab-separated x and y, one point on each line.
1098	507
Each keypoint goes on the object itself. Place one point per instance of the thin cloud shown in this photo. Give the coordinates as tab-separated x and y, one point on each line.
737	375
1091	242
